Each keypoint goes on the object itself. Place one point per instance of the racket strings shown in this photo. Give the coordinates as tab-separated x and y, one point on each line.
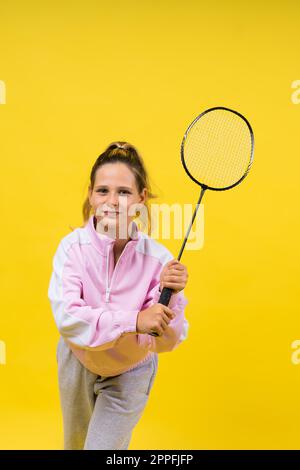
217	149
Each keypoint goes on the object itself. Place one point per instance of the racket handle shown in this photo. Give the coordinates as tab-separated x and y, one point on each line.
165	296
164	299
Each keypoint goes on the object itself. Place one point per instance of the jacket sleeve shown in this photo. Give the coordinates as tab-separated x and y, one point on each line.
84	326
177	329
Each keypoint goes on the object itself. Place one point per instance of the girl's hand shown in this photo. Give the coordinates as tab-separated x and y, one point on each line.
174	275
155	318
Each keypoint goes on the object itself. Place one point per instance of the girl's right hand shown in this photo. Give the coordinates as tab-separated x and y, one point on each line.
154	319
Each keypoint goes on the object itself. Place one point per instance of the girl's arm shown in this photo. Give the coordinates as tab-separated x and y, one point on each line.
80	324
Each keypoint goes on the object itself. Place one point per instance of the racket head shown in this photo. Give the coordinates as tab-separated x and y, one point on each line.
217	148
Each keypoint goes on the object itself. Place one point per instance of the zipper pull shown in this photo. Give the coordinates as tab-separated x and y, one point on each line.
107	294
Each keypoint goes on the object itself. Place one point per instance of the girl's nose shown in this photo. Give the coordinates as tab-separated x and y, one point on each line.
113	199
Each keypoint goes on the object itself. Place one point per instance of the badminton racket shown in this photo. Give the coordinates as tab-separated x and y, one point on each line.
217	153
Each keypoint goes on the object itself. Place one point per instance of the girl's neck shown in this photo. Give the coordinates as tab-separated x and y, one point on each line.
119	242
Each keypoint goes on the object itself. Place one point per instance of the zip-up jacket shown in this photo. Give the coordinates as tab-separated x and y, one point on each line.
95	304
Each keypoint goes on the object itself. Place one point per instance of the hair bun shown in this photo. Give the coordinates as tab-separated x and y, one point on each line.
120	145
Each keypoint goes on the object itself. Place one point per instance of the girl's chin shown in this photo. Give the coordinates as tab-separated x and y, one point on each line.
108	221
106	217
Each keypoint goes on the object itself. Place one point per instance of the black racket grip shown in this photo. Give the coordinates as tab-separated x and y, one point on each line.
164	299
165	296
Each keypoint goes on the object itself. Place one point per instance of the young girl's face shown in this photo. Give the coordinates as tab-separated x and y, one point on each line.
114	192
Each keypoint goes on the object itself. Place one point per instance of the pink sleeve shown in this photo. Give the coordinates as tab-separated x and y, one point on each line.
84	326
176	330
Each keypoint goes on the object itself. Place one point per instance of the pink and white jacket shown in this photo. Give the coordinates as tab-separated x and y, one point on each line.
95	305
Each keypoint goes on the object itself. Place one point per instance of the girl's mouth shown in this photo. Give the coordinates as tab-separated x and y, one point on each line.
110	212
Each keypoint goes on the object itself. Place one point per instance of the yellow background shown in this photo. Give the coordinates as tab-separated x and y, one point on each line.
79	75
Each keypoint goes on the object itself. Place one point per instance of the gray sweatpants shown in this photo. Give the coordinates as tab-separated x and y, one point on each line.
100	412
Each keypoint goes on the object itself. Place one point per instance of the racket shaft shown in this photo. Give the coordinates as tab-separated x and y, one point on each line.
166	294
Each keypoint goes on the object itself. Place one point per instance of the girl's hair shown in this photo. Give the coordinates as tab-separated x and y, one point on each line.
125	153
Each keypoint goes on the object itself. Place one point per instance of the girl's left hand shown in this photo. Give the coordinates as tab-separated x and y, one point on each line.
174	275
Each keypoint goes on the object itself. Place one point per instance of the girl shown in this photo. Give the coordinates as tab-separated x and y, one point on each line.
104	292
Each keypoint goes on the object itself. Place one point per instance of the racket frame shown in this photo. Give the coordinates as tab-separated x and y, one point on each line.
185	137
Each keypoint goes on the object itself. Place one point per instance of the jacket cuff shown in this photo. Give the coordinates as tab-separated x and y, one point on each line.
126	321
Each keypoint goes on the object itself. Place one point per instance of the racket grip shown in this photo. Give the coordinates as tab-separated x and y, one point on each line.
165	296
164	299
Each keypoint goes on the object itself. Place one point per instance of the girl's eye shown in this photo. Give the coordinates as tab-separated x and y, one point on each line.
101	190
105	191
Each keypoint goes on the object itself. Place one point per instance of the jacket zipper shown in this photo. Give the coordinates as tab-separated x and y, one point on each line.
108	287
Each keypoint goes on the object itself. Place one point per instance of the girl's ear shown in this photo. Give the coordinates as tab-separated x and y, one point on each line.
143	195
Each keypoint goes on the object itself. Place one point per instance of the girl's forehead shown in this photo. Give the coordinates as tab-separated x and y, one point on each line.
116	174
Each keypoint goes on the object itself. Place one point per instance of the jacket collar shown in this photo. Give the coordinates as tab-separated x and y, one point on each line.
102	241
